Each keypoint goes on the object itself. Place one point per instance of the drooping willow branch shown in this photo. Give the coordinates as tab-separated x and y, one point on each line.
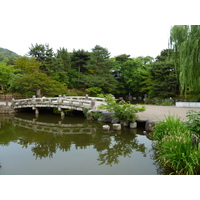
185	40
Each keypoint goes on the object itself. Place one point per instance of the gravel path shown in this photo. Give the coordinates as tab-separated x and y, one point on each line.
160	112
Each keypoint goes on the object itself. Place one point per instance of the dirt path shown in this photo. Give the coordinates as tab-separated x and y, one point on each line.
160	112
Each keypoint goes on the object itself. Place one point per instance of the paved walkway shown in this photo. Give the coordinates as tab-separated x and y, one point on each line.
160	112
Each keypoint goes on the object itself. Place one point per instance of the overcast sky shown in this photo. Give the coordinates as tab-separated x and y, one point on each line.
138	28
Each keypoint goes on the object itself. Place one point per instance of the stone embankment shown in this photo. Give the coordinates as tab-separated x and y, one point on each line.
107	117
153	114
5	108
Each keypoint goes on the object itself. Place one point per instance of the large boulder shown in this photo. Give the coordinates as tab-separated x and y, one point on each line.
106	117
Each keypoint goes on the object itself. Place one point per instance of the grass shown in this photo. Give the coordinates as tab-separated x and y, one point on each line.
174	147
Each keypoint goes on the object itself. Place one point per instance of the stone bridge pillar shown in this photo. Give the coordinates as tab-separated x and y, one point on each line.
93	102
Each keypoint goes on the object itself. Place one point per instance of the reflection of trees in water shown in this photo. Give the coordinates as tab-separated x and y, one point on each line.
122	145
45	144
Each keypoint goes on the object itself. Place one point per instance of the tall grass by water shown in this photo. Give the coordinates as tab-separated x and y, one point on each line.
175	147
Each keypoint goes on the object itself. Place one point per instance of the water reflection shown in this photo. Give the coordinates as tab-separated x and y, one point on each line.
47	136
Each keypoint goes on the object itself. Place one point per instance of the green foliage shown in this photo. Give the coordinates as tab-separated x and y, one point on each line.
93	91
123	111
98	70
185	40
176	151
62	65
163	81
174	148
131	71
43	54
193	122
167	102
170	125
6	73
37	81
27	65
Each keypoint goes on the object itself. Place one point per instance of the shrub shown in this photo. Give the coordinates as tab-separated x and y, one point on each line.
122	110
193	122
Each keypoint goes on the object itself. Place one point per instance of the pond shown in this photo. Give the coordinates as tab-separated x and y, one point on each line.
49	145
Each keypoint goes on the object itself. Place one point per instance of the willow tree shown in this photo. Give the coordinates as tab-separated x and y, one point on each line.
185	40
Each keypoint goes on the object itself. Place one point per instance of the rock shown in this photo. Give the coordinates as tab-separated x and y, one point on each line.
133	124
141	120
117	127
115	121
150	124
107	117
125	123
106	127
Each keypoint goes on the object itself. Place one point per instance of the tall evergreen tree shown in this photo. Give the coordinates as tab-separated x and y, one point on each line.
164	82
45	55
98	70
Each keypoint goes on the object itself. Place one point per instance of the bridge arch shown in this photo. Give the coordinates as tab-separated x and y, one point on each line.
61	103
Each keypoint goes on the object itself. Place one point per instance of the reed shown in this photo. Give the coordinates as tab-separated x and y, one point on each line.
174	148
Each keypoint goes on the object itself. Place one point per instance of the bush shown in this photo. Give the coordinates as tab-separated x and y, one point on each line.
193	122
123	111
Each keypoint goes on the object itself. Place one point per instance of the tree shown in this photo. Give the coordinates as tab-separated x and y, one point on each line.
163	80
62	66
131	76
185	41
122	58
45	55
79	60
37	82
27	65
6	73
98	72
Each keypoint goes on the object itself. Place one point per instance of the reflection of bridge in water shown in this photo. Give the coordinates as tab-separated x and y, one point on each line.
61	103
55	128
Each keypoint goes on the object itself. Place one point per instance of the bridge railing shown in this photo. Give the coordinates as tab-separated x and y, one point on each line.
62	101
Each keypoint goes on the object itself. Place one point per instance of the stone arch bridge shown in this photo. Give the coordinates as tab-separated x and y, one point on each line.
61	103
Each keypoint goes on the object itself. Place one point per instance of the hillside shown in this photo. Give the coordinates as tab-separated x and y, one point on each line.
6	54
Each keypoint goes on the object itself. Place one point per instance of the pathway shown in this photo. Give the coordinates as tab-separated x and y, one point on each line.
160	112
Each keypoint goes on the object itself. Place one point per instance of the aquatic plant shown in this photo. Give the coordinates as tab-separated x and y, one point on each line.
174	148
167	126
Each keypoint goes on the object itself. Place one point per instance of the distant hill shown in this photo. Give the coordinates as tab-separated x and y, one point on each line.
6	55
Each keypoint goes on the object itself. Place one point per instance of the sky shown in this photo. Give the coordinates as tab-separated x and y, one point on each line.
136	28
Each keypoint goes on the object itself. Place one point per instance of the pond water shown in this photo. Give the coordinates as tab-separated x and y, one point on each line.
49	145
